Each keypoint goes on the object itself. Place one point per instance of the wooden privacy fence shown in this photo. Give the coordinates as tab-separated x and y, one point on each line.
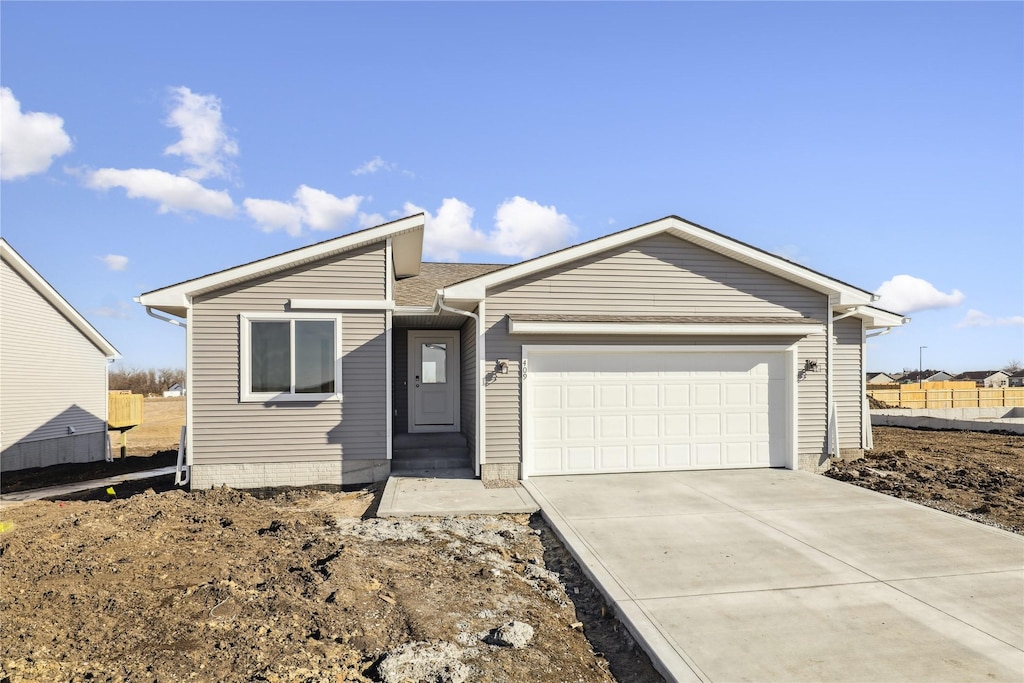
910	396
124	409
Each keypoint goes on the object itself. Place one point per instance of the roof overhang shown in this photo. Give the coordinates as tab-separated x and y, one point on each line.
406	235
22	268
875	318
843	295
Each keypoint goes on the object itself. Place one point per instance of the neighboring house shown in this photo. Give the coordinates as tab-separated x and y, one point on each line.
989	379
917	377
53	374
175	390
1017	379
880	378
662	347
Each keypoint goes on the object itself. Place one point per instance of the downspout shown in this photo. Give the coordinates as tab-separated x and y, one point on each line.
183	473
869	437
478	394
832	429
879	333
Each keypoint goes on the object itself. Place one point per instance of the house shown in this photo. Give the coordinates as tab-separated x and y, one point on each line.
989	379
919	376
53	373
880	378
662	347
174	391
1017	379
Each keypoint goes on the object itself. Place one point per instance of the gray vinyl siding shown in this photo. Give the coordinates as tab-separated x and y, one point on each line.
847	380
400	377
53	376
467	395
226	431
812	402
657	276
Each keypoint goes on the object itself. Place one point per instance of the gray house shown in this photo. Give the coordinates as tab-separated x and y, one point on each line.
663	347
53	373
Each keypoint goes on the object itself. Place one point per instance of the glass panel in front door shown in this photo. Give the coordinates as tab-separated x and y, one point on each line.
433	363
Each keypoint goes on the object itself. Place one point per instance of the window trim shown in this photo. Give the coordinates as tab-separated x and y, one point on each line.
246	395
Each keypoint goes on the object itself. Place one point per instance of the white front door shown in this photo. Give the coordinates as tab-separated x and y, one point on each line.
434	381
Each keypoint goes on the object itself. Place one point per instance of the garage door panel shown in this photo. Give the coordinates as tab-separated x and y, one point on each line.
613	396
615	412
580	396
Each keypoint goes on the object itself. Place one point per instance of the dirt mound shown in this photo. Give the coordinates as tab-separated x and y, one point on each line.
972	474
222	586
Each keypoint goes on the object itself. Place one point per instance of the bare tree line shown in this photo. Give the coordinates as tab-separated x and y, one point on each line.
150	382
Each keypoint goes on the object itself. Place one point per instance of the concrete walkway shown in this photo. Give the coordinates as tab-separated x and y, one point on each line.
774	575
456	493
66	489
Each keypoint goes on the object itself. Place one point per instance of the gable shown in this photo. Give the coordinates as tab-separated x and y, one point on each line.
659	275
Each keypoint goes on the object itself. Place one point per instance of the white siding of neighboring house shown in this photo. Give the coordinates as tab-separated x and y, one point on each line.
53	378
661	275
227	432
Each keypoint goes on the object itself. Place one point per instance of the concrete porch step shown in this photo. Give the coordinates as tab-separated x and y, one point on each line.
431	451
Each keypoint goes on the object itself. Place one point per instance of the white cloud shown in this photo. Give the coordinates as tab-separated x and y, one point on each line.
28	141
172	192
312	208
371	220
525	228
120	310
373	165
522	228
450	232
907	294
115	261
204	141
976	318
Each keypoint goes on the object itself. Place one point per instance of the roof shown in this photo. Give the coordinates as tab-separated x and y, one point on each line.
406	235
420	290
979	374
51	295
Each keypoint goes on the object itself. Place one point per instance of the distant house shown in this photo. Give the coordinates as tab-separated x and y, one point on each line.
915	377
53	373
880	378
1017	379
989	379
175	390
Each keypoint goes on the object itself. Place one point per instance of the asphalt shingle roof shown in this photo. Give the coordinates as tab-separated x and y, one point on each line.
420	289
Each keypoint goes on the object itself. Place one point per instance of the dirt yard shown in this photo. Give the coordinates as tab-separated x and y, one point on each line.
972	474
153	583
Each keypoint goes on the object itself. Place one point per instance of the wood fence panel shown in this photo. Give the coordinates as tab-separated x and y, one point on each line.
966	395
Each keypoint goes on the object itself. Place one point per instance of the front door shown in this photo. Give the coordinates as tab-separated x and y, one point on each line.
433	381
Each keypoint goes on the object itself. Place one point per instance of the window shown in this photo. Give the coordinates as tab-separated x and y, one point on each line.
290	357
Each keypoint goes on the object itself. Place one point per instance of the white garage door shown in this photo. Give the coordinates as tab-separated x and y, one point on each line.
645	410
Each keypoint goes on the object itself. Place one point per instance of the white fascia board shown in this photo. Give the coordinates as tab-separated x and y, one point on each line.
178	295
341	304
876	317
674	329
53	297
415	310
848	295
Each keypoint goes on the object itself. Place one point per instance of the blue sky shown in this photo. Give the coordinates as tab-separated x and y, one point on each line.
879	143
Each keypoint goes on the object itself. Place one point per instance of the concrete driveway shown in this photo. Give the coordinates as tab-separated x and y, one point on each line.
774	575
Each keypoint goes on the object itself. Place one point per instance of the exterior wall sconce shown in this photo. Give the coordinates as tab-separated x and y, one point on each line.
501	367
810	366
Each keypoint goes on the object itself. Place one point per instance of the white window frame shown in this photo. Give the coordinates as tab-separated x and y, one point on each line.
246	395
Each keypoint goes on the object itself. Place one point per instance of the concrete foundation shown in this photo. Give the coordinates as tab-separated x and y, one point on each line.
499	471
965	419
62	450
274	474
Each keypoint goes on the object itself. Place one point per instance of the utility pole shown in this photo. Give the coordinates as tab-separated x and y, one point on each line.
920	367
